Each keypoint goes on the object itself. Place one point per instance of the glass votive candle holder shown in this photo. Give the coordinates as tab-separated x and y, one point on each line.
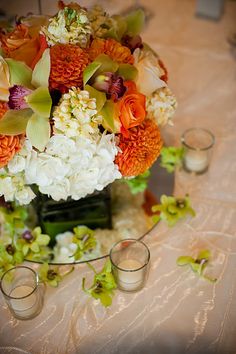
198	144
22	291
130	264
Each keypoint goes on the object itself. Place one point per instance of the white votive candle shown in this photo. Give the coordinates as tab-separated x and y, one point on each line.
24	301
196	161
131	277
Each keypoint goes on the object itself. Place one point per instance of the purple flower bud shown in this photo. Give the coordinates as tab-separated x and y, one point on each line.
17	95
111	84
132	42
27	236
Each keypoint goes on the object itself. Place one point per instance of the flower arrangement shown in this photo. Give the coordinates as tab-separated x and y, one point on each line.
81	102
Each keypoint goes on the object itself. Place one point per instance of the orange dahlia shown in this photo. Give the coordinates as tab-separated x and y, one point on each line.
67	65
9	145
140	149
3	108
111	47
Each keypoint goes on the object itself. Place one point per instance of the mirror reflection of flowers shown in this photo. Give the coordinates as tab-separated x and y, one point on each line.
82	99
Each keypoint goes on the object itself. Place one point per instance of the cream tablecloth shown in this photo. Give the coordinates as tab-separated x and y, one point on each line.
176	312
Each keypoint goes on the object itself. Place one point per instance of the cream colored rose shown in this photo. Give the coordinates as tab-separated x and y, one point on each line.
149	72
4	80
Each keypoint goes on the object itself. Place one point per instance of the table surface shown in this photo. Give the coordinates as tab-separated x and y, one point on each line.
176	312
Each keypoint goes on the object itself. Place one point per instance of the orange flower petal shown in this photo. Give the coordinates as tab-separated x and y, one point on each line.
9	145
140	149
111	47
67	65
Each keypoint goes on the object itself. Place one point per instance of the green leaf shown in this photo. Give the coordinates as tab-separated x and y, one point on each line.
98	95
38	131
204	254
41	71
171	157
128	72
20	73
183	260
135	22
121	26
103	285
107	64
139	183
156	219
15	122
43	240
35	247
111	33
40	101
90	71
25	249
84	239
105	299
197	265
108	114
197	268
172	209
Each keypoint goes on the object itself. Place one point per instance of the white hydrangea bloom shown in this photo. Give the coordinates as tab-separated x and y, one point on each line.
161	106
68	26
73	167
98	171
15	188
65	248
76	114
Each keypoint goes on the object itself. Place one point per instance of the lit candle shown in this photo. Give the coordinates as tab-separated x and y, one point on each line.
24	302
196	161
131	277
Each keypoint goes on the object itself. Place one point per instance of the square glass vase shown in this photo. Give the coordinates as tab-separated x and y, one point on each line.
93	211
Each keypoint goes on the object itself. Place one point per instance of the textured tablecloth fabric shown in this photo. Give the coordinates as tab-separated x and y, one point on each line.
176	312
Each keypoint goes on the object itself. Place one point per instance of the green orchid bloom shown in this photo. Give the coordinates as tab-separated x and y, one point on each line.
32	241
103	285
171	157
30	101
172	209
12	219
84	239
197	265
9	257
51	275
138	184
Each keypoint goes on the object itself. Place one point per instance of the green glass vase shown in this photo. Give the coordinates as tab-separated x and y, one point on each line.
94	211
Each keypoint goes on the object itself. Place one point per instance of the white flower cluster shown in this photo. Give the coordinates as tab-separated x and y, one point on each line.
100	21
14	188
68	26
67	168
161	106
76	114
65	248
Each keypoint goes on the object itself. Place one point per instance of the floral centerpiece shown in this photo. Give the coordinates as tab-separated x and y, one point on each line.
82	99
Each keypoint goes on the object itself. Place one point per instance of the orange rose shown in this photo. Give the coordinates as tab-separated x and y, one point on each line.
131	107
20	44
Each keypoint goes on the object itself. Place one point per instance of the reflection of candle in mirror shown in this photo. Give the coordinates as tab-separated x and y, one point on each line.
196	161
130	279
25	302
